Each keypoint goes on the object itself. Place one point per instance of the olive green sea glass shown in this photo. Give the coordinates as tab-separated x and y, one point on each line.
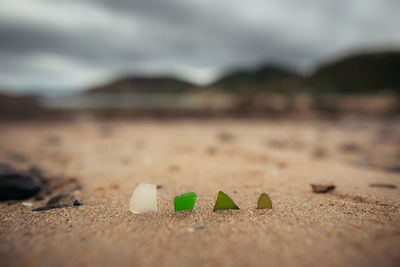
185	201
224	202
264	202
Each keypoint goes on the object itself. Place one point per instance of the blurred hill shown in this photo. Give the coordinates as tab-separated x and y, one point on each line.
362	73
365	73
355	74
145	85
267	78
262	79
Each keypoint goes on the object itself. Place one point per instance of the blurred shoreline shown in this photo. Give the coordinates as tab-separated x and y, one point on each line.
200	105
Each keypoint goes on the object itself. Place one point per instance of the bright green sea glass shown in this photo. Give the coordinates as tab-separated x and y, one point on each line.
185	201
224	202
264	202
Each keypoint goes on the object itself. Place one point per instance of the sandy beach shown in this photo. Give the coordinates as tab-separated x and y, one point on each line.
354	225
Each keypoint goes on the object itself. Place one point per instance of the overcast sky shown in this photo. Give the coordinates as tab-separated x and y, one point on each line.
58	44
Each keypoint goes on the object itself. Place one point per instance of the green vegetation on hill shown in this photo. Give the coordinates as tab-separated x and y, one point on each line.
357	74
363	73
262	79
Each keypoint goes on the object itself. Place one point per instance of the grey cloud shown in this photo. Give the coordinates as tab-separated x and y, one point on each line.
194	37
88	46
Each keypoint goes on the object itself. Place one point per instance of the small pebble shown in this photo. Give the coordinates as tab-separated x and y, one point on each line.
60	201
77	202
27	204
211	150
322	188
225	136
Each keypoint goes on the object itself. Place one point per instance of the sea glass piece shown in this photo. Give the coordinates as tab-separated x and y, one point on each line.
144	199
224	202
185	201
264	202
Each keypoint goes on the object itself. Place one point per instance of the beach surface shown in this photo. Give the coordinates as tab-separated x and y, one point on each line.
356	224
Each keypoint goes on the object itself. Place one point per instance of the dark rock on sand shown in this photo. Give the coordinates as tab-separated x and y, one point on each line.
55	206
225	136
350	147
319	152
322	188
17	185
211	150
67	199
60	201
77	202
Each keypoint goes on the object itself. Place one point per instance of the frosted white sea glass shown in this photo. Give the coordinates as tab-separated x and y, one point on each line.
144	199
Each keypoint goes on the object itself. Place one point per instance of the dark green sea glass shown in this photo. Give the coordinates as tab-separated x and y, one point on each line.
264	202
185	201
224	202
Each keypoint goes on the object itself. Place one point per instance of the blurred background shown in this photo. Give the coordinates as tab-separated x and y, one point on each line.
199	58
